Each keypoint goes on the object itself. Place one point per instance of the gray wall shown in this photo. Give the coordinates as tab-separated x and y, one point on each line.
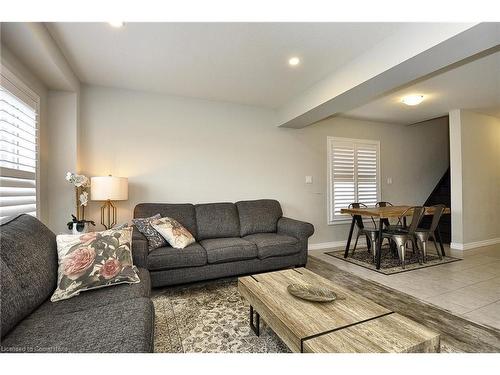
185	150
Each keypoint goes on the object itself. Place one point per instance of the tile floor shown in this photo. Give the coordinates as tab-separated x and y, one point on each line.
469	288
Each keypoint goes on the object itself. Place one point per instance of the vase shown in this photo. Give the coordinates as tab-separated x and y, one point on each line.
83	230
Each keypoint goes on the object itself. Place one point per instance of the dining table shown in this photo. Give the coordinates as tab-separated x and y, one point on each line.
383	214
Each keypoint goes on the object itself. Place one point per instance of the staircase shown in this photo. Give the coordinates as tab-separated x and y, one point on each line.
441	195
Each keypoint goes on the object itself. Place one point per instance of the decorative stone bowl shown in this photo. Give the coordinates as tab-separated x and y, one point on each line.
312	293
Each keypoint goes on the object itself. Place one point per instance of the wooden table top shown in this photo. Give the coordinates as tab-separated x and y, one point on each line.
389	334
294	319
387	212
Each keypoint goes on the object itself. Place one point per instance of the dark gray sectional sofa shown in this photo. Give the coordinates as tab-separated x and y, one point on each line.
112	319
231	239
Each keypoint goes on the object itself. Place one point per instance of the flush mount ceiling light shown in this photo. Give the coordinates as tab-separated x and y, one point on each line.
413	99
294	61
116	24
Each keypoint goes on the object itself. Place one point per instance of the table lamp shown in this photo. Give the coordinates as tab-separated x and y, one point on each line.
108	189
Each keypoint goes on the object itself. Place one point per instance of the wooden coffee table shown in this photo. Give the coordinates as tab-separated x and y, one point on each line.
351	324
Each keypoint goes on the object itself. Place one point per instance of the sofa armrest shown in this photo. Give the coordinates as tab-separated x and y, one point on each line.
139	249
295	228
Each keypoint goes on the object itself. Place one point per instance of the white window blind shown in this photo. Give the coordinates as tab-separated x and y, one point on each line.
18	147
353	174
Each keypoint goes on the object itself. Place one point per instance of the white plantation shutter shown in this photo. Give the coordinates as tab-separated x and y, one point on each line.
353	174
343	182
18	147
367	173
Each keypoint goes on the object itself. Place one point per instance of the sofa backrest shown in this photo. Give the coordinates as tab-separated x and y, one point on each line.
258	216
28	268
184	213
217	220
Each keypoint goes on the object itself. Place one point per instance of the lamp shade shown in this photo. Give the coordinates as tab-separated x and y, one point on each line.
109	188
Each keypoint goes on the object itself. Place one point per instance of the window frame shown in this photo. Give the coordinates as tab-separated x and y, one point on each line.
16	86
330	217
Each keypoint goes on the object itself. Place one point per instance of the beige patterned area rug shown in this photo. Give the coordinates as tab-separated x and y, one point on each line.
211	317
208	317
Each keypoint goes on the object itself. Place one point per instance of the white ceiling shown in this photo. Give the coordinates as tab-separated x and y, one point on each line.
237	62
474	86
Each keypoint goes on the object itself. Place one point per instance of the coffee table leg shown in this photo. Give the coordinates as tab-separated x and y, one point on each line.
255	326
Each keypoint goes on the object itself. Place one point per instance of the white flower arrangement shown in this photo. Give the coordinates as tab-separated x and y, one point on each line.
81	184
84	198
79	180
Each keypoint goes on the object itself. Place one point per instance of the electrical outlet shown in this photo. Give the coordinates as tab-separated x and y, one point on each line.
309	179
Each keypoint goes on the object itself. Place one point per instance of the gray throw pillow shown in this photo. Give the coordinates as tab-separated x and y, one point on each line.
155	240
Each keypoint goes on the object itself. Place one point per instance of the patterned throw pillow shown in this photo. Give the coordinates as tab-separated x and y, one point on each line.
93	260
155	240
176	235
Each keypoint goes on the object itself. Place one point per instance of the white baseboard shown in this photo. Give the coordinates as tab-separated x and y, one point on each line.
473	245
334	244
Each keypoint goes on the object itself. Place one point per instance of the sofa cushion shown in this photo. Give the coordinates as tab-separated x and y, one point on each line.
259	216
272	244
101	297
165	258
28	268
220	250
182	212
217	220
125	326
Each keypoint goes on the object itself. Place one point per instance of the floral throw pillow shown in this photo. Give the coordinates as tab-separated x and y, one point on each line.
155	240
176	235
93	260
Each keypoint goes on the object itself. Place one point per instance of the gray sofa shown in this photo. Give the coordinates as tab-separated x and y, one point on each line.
113	319
231	239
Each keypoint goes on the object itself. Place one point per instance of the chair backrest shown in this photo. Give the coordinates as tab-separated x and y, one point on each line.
358	219
383	204
418	214
438	212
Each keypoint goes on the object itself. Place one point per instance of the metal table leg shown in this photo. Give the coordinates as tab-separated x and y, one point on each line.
379	243
255	326
437	233
349	238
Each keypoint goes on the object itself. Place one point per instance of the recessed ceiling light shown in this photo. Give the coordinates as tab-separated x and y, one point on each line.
116	24
294	61
413	99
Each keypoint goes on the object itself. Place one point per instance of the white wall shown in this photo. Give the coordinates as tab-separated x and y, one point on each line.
475	178
184	150
457	235
62	153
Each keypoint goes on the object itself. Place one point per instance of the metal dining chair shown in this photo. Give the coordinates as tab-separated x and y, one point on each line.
423	235
401	236
370	233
